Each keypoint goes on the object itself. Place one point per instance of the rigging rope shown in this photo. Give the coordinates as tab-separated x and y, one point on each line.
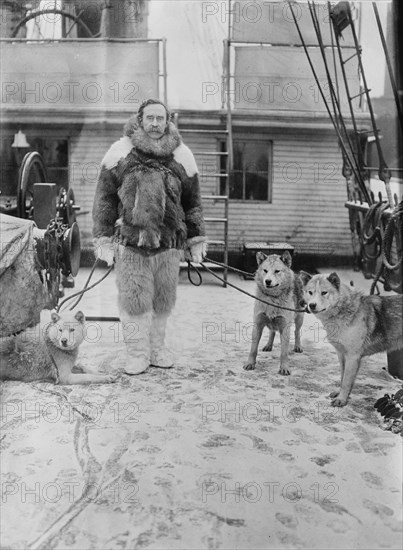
341	142
335	100
392	272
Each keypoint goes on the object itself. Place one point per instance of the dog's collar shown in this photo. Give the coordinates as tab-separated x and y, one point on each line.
16	333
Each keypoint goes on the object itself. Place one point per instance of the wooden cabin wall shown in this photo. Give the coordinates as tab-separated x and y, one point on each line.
308	191
86	153
306	211
308	196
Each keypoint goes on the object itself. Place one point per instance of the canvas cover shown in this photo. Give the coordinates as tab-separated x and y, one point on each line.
22	292
281	78
80	76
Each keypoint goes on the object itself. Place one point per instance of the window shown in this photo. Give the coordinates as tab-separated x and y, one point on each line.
250	178
55	155
56	19
9	166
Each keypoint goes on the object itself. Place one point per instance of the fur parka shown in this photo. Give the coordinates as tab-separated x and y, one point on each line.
150	188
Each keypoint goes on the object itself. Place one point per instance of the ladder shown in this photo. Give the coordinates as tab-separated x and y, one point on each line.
344	13
218	176
351	160
340	18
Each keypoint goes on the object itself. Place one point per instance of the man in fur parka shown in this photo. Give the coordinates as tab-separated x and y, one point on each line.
147	209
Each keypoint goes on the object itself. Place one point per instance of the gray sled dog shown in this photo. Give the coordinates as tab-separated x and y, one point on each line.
279	285
49	355
356	325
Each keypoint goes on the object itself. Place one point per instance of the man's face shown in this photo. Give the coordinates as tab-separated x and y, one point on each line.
154	120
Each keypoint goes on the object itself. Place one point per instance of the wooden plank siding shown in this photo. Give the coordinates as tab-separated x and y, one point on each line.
308	196
208	165
86	153
308	190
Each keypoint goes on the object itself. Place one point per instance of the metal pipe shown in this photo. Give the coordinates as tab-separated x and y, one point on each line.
164	66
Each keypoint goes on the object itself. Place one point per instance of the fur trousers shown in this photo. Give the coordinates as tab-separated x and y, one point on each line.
146	283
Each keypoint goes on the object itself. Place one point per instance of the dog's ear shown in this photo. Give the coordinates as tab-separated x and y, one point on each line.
305	277
286	258
79	316
334	280
260	257
54	316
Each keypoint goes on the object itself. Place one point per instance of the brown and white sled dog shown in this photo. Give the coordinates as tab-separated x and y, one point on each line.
48	353
356	325
279	285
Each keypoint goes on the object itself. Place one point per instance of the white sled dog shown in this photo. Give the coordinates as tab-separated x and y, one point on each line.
356	325
278	284
49	355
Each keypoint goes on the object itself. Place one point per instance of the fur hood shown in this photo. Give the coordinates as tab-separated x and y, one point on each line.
163	147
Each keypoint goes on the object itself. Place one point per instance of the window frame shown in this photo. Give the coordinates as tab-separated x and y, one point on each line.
51	168
223	160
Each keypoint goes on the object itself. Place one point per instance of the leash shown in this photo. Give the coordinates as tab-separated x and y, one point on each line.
232	285
86	288
229	267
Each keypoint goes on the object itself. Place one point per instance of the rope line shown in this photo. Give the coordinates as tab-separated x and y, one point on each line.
86	287
230	268
373	222
393	230
351	162
240	289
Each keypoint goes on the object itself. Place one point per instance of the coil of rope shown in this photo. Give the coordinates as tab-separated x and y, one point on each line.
390	268
372	231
